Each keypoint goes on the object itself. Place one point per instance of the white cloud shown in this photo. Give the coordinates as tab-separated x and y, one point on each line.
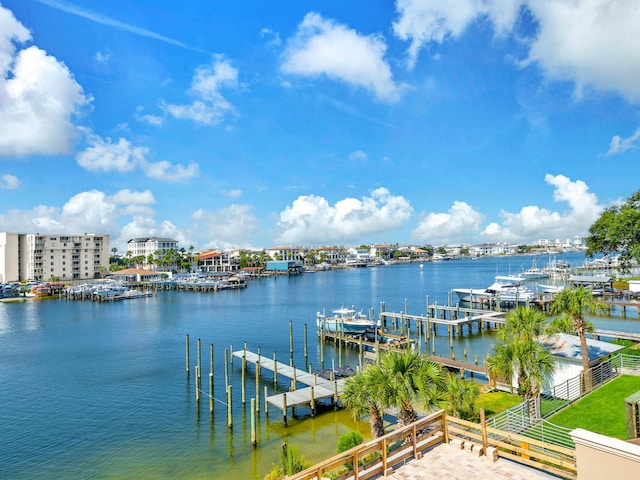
424	21
9	182
38	96
621	145
274	37
102	58
126	196
325	47
589	43
533	222
358	155
210	106
310	219
229	227
105	156
149	119
235	193
459	224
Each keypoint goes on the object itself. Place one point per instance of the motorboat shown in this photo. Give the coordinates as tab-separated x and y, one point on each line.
534	272
346	320
543	288
505	288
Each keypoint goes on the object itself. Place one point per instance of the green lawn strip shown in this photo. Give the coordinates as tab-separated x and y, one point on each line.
497	402
602	411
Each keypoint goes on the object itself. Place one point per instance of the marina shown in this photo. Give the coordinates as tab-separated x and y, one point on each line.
99	389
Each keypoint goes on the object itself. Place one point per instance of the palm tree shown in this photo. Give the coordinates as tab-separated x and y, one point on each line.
518	355
409	379
572	303
459	396
362	395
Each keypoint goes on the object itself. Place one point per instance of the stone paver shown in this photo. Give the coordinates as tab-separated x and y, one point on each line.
447	461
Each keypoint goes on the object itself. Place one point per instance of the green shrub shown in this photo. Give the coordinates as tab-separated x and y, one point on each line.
349	440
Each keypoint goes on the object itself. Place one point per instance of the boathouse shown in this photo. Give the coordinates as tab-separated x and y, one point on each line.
138	275
595	282
284	267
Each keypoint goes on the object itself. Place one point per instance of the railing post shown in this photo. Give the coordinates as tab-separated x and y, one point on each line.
445	430
483	427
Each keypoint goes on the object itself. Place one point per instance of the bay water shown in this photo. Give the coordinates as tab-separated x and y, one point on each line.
100	390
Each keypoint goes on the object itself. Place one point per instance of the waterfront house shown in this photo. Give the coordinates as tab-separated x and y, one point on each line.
211	261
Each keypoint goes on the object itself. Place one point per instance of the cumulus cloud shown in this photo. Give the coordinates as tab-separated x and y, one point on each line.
588	43
311	220
424	21
235	193
103	155
209	107
324	47
459	224
229	227
533	222
9	182
621	145
39	96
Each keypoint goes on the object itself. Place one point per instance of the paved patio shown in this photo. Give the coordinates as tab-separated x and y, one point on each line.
446	461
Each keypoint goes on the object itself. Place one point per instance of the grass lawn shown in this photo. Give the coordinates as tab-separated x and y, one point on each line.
496	402
602	411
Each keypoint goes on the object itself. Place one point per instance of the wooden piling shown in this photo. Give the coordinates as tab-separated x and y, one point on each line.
257	386
266	401
199	364
187	352
244	382
291	343
229	406
197	388
226	369
284	408
254	441
313	403
275	370
211	392
306	352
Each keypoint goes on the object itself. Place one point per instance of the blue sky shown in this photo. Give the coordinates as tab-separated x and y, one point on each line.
238	124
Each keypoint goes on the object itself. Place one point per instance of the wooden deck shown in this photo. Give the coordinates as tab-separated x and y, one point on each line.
318	388
598	332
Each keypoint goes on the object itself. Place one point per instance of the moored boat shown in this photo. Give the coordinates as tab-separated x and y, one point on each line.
346	320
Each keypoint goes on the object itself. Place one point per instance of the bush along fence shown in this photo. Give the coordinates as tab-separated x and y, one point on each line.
382	455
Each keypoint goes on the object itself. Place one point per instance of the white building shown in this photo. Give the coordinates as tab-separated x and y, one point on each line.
155	246
41	257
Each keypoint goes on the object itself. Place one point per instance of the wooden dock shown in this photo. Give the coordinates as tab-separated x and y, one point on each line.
318	388
598	332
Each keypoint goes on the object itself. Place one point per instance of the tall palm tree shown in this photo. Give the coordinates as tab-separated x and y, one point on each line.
409	379
459	396
362	395
573	303
518	355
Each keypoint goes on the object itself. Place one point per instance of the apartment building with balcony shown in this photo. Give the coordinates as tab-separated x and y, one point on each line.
42	257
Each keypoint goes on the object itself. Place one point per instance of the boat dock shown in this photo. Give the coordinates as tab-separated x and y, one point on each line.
598	332
318	388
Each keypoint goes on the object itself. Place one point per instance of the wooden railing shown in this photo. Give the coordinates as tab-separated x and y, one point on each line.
382	455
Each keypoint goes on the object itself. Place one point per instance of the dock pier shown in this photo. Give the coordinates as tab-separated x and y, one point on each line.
317	388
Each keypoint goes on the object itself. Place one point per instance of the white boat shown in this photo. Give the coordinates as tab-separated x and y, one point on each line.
550	288
534	272
506	288
345	320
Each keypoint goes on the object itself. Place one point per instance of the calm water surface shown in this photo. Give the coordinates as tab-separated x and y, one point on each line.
100	390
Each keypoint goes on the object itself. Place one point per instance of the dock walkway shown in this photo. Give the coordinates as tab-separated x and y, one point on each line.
318	388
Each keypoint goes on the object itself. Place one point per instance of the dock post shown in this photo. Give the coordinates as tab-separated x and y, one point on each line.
197	389
211	359
360	352
291	342
313	403
229	406
254	442
322	353
187	352
294	381
266	402
231	353
244	381
211	393
275	370
257	406
464	353
258	362
306	350
226	369
284	408
335	395
199	364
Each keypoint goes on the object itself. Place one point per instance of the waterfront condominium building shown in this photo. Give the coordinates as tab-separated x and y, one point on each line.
33	256
155	247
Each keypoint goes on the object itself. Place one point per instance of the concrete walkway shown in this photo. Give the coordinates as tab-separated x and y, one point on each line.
446	461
